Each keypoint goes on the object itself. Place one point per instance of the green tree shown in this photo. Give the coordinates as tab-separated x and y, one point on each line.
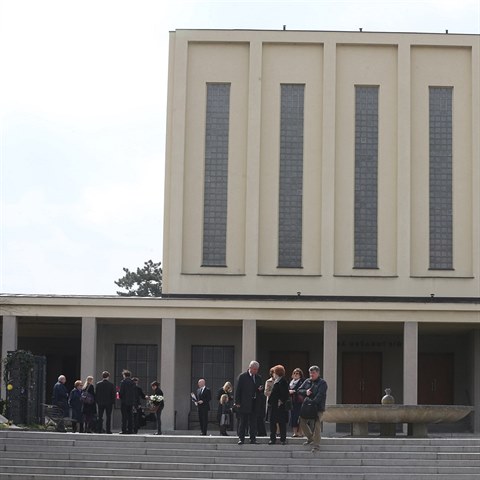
145	282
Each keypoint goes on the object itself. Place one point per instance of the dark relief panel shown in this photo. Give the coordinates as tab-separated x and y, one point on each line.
440	178
216	175
366	177
291	176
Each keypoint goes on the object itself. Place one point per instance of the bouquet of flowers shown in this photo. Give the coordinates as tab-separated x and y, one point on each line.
156	400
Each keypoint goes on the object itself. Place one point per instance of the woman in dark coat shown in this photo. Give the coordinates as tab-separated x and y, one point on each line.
227	389
89	408
76	406
276	401
297	400
158	413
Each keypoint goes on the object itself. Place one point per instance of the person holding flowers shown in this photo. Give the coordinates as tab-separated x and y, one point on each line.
157	402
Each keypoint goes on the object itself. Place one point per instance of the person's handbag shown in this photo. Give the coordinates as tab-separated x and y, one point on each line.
87	398
225	419
309	409
288	405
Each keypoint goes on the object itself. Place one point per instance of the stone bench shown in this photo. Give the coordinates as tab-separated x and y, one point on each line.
416	416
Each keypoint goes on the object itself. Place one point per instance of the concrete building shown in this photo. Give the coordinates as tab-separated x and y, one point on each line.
322	205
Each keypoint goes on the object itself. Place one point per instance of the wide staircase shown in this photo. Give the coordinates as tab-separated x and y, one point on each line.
35	455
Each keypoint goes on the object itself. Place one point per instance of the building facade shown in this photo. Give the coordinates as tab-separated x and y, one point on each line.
321	206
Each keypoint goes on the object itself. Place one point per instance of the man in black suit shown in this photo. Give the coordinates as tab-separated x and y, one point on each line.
248	401
128	394
137	411
105	398
204	395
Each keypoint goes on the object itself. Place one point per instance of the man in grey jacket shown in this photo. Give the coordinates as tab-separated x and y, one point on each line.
314	388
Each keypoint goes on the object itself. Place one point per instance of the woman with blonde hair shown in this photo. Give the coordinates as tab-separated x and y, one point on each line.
89	408
227	390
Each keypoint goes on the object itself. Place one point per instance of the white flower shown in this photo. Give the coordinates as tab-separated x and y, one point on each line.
156	399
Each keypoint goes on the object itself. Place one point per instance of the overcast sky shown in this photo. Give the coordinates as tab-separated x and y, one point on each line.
83	88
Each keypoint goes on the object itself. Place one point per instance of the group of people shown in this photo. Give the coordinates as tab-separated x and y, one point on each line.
89	403
278	401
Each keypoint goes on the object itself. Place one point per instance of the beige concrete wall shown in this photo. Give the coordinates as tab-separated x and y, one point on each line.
330	64
229	64
370	65
301	64
448	67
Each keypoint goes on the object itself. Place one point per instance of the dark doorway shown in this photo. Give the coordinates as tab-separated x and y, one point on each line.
362	377
290	360
435	378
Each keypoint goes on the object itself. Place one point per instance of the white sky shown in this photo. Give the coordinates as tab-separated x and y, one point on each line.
83	88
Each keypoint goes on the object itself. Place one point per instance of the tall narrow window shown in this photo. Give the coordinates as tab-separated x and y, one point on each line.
216	175
291	176
366	176
440	181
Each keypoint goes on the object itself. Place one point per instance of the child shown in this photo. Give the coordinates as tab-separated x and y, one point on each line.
225	411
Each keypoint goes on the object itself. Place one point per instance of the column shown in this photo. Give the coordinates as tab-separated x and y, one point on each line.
167	373
330	368
410	363
88	359
9	342
476	380
249	343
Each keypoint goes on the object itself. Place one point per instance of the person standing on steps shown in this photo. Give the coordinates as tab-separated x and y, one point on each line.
89	409
248	393
157	391
60	399
137	407
315	389
128	392
295	383
204	396
105	398
277	401
227	389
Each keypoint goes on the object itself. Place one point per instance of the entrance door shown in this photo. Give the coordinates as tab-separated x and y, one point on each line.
362	377
435	378
290	360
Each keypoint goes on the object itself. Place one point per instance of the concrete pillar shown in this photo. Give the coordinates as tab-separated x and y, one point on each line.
88	359
476	380
330	367
249	343
410	363
167	373
9	342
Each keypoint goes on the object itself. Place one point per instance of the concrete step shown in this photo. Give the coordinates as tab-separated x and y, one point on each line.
223	457
39	455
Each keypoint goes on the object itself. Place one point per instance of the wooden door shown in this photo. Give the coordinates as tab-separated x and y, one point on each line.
435	378
362	377
290	360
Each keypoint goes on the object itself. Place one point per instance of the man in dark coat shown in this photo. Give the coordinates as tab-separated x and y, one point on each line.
248	401
60	399
137	407
105	397
314	388
128	393
204	395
